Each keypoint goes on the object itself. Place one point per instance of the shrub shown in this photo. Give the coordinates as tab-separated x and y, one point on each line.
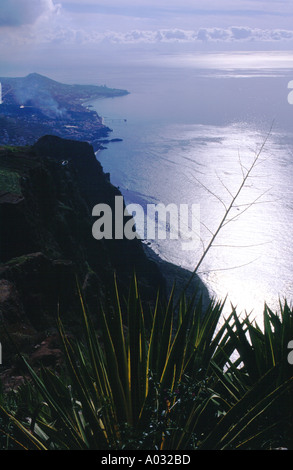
170	386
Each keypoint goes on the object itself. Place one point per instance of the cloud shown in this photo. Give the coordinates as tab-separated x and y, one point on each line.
39	24
232	34
23	12
208	5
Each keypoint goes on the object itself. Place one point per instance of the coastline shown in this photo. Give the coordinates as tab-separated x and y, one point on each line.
173	273
170	272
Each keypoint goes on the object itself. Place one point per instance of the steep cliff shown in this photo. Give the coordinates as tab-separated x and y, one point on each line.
47	193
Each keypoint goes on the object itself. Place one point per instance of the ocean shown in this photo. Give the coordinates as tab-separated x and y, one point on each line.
190	131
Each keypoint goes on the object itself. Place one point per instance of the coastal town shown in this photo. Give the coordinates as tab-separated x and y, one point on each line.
35	105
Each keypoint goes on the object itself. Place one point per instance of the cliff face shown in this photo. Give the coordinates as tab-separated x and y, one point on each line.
47	194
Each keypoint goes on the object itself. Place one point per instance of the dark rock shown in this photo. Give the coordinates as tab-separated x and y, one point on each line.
38	282
48	353
11	380
11	307
47	244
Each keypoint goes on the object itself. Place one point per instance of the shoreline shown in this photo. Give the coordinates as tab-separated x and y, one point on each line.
170	272
173	273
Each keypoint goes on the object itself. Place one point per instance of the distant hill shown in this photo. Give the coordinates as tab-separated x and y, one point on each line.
45	93
36	105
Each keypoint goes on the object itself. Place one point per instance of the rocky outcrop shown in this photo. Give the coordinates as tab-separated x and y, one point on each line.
46	244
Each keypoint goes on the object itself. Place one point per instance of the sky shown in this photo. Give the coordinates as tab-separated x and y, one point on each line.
47	35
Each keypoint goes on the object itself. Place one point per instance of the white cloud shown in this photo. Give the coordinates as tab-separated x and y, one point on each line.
122	15
23	12
59	34
56	23
233	34
185	4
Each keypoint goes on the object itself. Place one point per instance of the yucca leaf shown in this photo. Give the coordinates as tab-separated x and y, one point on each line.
33	440
268	335
77	375
246	410
257	408
174	362
118	392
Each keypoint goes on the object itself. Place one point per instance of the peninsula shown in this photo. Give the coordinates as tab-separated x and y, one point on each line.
36	105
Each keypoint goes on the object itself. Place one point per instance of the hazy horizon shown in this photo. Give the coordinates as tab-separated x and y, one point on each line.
74	40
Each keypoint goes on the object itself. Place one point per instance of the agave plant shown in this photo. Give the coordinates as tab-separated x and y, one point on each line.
168	385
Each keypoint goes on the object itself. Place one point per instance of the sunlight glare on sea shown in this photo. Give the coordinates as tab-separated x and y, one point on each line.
189	137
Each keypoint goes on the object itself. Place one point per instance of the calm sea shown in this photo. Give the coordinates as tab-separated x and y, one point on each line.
188	135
